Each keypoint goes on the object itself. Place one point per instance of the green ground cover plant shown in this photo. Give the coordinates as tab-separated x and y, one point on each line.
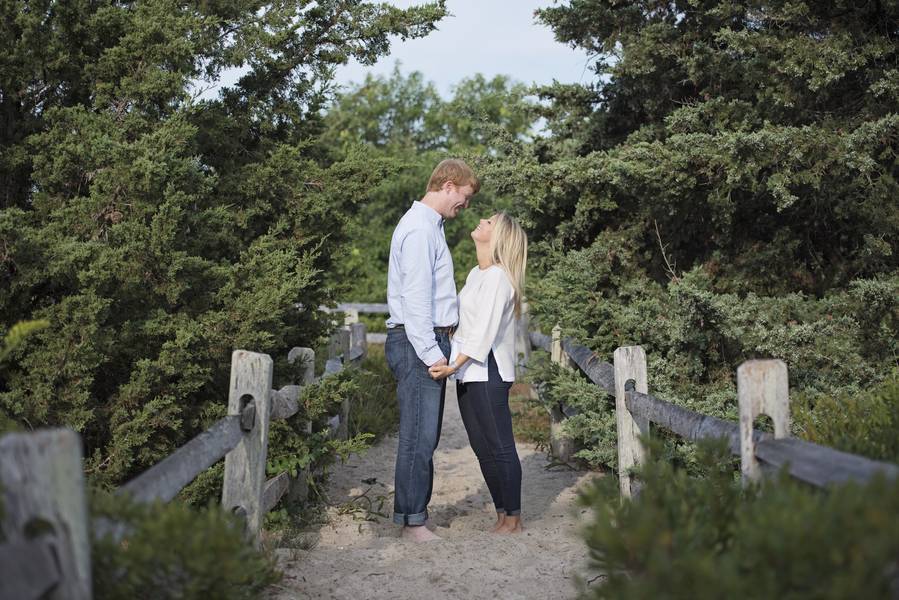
175	551
707	537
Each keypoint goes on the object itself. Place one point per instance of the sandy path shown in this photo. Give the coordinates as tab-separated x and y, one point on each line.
356	559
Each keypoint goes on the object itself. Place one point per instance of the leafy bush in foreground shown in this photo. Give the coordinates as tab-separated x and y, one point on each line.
687	537
175	551
866	424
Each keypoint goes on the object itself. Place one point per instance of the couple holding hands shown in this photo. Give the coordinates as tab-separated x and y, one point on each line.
433	334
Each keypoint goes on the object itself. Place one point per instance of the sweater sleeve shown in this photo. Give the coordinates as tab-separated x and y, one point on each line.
484	319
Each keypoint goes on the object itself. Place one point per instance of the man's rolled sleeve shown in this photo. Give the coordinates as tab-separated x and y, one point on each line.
417	259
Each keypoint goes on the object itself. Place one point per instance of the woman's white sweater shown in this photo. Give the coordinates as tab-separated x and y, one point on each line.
486	322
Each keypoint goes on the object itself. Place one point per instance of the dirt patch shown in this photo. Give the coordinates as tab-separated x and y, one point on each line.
357	559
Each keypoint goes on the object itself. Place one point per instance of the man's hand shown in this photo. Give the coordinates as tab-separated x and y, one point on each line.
443	371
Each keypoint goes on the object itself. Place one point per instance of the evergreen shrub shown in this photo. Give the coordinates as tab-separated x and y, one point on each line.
175	551
707	537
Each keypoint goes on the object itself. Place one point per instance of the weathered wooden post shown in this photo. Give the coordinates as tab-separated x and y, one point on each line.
562	446
298	490
251	383
630	365
339	345
339	353
358	343
46	551
763	388
305	357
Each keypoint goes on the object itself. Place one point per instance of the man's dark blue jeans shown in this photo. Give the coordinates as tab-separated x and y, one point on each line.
420	401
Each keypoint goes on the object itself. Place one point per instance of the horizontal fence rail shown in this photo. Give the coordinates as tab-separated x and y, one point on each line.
811	463
42	481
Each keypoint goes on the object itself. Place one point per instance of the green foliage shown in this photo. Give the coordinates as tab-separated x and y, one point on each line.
865	423
17	334
686	537
175	551
724	190
402	120
374	408
593	427
157	232
14	337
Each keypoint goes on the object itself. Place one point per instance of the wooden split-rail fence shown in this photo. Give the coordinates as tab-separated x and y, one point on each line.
762	389
41	473
45	541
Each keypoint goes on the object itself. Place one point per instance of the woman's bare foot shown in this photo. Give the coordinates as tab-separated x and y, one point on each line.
500	519
511	524
419	534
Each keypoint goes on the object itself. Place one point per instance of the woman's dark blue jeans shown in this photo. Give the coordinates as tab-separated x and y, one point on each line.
488	420
420	401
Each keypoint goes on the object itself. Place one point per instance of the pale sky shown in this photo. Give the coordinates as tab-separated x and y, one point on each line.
492	37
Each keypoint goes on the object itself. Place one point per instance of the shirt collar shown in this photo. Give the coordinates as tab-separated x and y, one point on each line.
429	213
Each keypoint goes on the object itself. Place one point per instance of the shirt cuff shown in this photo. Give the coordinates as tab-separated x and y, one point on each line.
474	352
433	355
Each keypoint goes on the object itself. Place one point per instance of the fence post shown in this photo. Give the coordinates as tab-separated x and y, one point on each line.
763	387
341	344
298	489
44	516
562	446
630	365
251	382
358	339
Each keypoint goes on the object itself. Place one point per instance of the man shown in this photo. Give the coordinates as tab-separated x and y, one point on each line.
421	297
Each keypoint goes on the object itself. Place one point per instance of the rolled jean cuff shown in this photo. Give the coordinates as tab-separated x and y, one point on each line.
512	513
411	520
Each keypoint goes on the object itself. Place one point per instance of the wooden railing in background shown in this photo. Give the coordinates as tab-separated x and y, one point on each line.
45	548
762	389
46	551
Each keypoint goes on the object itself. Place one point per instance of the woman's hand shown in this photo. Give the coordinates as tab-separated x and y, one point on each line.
439	372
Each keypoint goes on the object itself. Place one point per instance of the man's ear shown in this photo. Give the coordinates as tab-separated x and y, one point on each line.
448	186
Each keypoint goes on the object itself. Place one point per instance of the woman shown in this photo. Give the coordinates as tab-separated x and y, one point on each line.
483	360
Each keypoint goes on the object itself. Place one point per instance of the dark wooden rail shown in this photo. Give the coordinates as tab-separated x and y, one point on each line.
811	463
42	480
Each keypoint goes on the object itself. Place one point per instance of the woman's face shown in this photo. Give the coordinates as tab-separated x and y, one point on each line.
484	231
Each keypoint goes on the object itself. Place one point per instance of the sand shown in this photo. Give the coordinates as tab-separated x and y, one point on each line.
356	559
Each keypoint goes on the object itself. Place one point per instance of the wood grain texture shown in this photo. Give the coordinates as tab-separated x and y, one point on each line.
166	478
541	340
285	402
273	490
28	569
630	364
763	388
819	465
597	370
251	381
42	486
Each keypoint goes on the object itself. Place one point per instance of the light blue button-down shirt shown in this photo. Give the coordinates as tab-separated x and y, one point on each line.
421	290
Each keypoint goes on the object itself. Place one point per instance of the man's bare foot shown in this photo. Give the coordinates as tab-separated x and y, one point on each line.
419	534
500	519
510	525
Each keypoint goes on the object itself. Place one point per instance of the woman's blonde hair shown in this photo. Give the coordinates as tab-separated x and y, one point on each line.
509	249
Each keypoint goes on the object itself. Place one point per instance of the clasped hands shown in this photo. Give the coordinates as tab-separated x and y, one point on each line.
441	370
